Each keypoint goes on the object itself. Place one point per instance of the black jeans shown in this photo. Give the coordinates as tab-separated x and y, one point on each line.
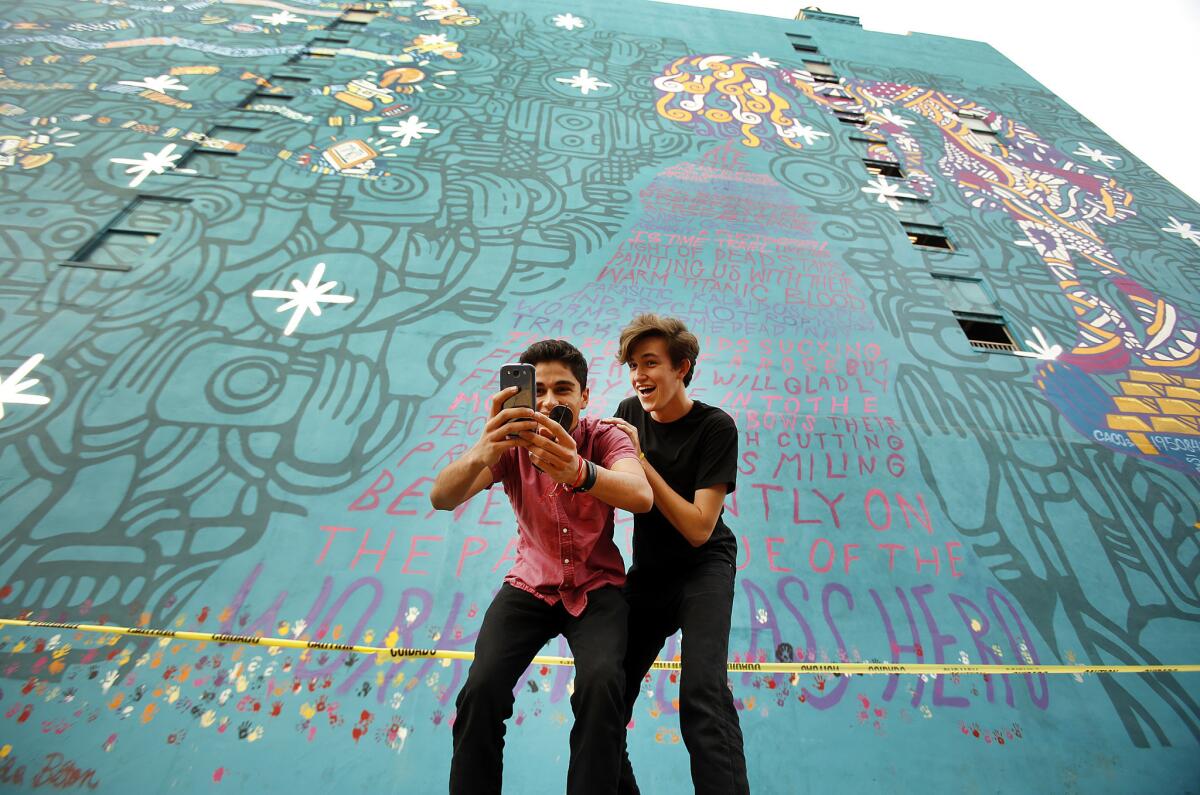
700	604
515	626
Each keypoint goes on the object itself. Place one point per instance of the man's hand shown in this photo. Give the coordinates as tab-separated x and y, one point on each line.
628	430
504	428
552	450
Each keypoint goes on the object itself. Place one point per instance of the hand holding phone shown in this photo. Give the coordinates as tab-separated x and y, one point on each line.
522	376
511	412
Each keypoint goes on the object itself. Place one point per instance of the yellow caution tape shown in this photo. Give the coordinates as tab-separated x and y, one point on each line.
844	668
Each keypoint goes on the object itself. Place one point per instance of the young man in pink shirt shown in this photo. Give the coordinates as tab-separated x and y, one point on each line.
563	485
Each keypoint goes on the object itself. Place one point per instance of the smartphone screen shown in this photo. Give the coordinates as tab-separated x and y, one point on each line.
521	376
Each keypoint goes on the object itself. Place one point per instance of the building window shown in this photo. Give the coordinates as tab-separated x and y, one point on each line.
882	168
981	133
204	162
322	41
289	87
801	42
975	312
872	148
355	16
129	237
927	236
313	52
851	117
220	143
821	71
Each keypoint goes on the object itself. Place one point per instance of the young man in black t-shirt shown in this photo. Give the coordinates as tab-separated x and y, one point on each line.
683	552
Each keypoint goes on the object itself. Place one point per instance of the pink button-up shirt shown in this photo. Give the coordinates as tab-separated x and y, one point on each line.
565	544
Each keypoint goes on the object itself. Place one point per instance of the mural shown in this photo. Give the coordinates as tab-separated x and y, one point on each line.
260	263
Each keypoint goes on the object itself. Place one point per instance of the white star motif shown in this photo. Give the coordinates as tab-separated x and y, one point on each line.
1040	349
429	39
761	60
162	84
884	192
1096	156
799	130
411	129
150	163
12	387
1185	231
584	82
305	297
896	119
568	22
279	18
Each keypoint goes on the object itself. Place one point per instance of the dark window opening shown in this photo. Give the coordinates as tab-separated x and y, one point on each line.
205	162
927	236
330	40
230	132
801	43
981	132
356	17
130	236
846	117
882	168
114	250
975	312
821	71
986	332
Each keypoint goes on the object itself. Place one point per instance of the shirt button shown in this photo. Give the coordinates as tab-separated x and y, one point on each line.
564	529
566	560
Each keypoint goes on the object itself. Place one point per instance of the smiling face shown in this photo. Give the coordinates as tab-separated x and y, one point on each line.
657	382
557	385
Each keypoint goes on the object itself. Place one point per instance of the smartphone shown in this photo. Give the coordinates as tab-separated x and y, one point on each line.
521	376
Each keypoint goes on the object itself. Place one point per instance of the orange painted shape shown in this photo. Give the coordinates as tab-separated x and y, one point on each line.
1180	425
1124	422
1131	405
1186	408
1143	444
1151	377
1183	392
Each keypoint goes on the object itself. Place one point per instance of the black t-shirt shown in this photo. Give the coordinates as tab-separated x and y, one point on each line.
694	452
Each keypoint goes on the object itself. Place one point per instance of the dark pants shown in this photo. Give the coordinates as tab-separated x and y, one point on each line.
515	626
700	604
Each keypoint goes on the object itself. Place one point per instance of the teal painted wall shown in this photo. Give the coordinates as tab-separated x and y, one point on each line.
197	453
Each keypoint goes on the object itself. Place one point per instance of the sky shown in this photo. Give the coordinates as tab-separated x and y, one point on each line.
1122	65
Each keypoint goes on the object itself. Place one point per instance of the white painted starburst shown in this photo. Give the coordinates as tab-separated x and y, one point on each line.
584	82
304	298
430	39
1096	156
895	118
761	60
279	18
1177	227
409	130
884	192
12	389
149	163
568	22
1039	348
162	84
805	132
